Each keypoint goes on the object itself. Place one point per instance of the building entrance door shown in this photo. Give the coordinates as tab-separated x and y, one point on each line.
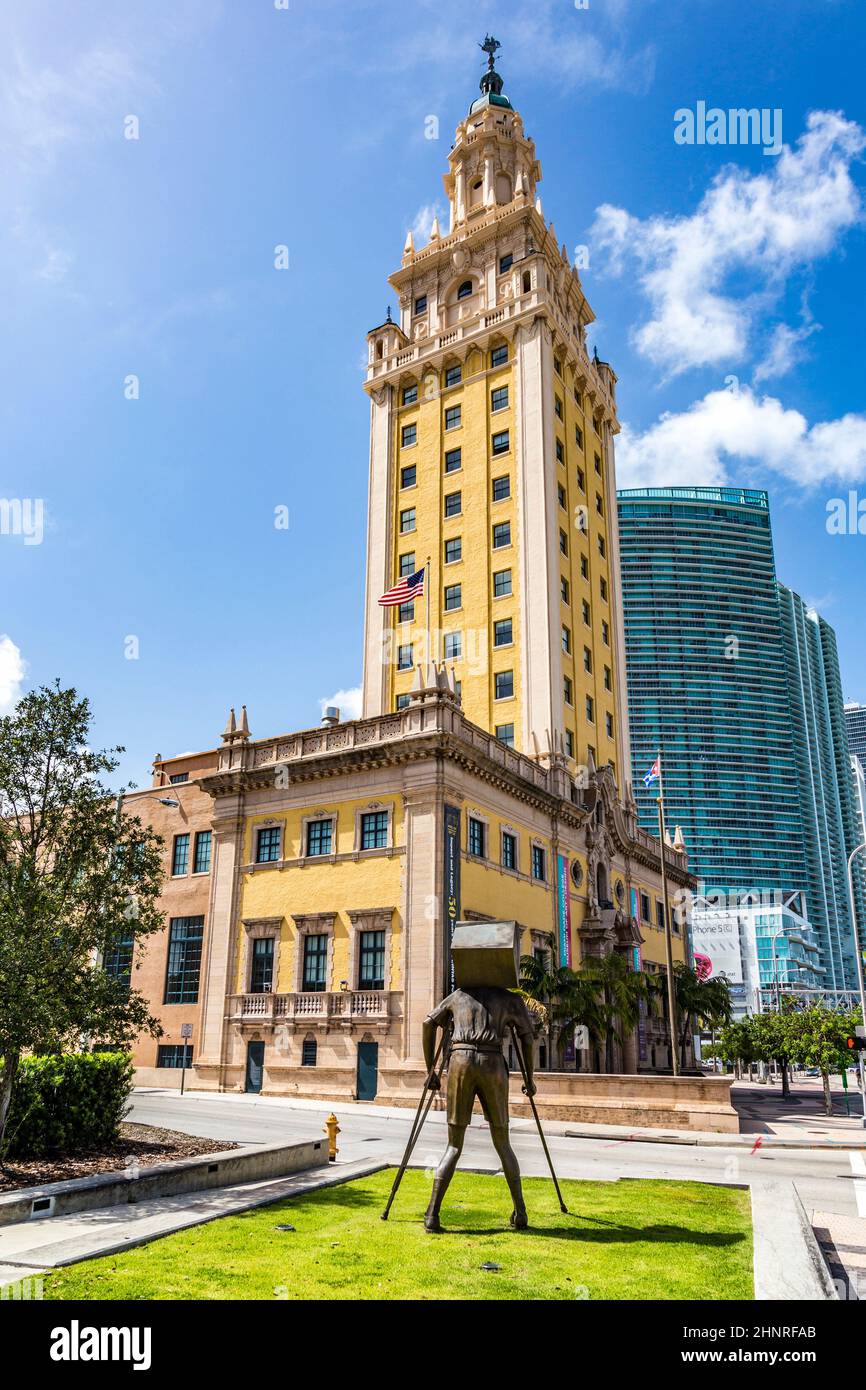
368	1071
255	1067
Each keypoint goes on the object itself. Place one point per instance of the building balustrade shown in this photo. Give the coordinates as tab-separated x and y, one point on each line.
314	1006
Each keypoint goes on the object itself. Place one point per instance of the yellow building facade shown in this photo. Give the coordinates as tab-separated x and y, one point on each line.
487	776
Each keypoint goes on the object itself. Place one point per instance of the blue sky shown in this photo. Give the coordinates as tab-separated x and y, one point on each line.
261	126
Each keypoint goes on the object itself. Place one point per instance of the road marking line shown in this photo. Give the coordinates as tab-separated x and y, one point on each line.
858	1168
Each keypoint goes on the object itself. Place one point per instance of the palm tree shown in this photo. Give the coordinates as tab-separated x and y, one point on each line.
618	991
562	997
707	1000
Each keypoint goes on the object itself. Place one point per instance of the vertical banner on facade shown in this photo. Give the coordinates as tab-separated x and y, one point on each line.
451	886
564	911
638	965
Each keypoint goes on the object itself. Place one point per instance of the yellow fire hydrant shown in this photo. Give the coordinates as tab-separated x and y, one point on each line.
332	1129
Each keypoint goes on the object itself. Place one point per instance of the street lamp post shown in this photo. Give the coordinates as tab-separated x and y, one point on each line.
859	955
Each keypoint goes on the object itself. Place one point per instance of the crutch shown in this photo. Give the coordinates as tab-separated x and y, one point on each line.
531	1099
424	1104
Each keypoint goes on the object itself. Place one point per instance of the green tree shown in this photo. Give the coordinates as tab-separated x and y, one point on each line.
563	1000
619	991
816	1038
707	1000
772	1040
737	1042
74	874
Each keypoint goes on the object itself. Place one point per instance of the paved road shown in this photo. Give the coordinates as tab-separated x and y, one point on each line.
827	1181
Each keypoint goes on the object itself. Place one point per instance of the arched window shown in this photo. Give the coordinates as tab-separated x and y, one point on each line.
308	1052
465	290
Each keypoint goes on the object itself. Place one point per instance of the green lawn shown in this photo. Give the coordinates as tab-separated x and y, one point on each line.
622	1240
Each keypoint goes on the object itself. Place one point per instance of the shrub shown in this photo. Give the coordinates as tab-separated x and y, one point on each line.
63	1104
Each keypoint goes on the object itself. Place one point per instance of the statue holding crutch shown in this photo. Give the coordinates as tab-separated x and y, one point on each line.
474	1020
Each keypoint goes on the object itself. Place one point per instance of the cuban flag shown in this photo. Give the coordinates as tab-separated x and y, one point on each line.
411	586
653	774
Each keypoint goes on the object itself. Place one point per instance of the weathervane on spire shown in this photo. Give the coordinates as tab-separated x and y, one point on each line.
490	46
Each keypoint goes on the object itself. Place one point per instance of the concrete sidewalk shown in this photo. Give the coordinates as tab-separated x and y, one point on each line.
34	1246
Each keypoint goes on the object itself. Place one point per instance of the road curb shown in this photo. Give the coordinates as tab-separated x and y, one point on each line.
788	1264
716	1141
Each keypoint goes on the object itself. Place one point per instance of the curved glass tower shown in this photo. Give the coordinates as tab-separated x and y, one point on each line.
707	682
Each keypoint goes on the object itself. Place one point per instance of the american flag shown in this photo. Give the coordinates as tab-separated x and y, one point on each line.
411	586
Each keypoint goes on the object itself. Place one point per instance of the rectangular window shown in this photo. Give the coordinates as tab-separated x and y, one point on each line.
408	476
597	464
557	366
505	264
581	480
577	400
599	505
557	407
564	589
453	503
560	452
320	836
502	634
453	376
406	613
371	971
476	837
201	858
601	547
501	488
602	588
578	436
453	550
452	646
407	520
563	542
539	868
590	710
566	640
453	597
584	567
374	830
584	608
421	304
608	724
404	657
499	398
560	495
504	685
501	583
407	564
177	777
409	435
587	660
569	743
501	534
410	395
605	633
174	1055
453	460
268	844
509	850
501	443
568	690
315	976
180	855
660	915
499	355
117	961
402	702
607	679
184	960
645	908
309	1052
262	965
452	417
505	734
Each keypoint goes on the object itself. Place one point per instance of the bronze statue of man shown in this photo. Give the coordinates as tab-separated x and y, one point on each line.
478	1017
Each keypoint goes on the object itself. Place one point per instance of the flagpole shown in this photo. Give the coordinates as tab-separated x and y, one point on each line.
428	658
669	951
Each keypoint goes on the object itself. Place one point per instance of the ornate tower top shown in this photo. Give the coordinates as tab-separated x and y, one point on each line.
491	83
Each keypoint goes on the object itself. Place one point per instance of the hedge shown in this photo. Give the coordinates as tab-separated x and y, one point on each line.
63	1104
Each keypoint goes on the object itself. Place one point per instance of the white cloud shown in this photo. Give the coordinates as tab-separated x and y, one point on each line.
422	224
761	226
784	350
348	702
738	437
12	668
